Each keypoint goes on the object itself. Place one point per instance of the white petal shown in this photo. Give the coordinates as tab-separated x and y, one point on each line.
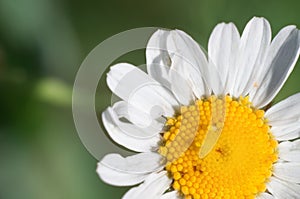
171	195
286	112
252	50
280	61
157	57
179	81
153	187
288	171
123	138
117	178
290	136
132	130
222	51
281	189
286	131
289	151
144	126
140	90
164	52
265	196
141	163
182	45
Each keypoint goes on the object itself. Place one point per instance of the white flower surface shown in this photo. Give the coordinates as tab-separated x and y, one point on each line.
251	67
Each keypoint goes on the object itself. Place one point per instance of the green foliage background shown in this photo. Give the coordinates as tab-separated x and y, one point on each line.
42	44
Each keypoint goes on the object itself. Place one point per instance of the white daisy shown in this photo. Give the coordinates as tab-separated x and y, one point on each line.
201	123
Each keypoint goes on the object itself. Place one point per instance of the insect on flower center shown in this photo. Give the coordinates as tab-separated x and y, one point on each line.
219	148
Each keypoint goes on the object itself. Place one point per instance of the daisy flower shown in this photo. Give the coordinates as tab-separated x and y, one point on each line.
202	123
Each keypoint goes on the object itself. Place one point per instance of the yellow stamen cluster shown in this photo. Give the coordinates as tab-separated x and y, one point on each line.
240	149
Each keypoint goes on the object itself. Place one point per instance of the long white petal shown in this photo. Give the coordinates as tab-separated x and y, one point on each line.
282	189
180	83
140	90
182	45
289	151
280	61
286	112
117	178
109	118
252	51
286	131
284	117
130	129
157	57
290	136
146	126
153	187
222	51
288	171
141	163
169	52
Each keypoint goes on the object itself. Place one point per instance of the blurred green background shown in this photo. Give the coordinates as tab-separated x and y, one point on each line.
42	44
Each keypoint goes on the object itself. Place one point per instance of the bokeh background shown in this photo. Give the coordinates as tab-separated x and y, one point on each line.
42	44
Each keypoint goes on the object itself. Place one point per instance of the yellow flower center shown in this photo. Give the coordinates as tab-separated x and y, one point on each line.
219	148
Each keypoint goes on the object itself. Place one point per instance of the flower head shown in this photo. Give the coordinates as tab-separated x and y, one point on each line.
201	123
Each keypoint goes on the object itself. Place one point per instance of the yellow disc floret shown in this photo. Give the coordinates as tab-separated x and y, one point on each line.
219	148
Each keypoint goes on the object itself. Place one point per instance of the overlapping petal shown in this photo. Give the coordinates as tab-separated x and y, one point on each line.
253	46
153	187
173	53
140	90
129	136
282	189
289	151
284	118
158	58
280	61
116	170
223	47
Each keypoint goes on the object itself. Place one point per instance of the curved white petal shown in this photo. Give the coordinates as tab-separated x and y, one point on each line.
141	120
157	57
110	122
130	129
176	50
117	178
141	163
180	84
195	69
222	51
280	61
254	42
282	189
288	171
171	195
290	136
286	131
140	90
289	151
284	117
265	196
285	113
153	187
